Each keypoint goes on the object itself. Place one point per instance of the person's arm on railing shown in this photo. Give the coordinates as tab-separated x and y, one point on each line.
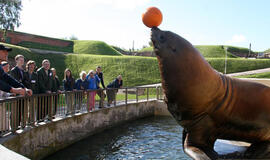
7	88
9	80
9	84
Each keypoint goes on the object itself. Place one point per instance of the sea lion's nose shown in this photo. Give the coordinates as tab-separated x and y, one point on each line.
155	29
154	34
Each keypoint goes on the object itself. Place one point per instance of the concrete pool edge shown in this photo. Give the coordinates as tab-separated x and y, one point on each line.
41	141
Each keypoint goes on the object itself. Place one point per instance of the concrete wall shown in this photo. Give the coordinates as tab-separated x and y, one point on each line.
161	109
41	141
259	80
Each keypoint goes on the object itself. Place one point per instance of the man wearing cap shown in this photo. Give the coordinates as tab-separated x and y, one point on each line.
7	83
5	66
3	94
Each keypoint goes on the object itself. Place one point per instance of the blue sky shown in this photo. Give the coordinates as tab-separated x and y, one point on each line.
118	22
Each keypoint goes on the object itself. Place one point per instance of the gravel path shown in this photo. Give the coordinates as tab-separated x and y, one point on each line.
249	72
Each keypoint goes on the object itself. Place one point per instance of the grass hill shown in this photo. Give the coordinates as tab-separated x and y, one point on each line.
208	51
135	70
218	51
94	47
122	51
214	51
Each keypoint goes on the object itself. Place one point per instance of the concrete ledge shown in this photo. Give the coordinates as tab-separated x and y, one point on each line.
259	80
7	154
41	141
161	109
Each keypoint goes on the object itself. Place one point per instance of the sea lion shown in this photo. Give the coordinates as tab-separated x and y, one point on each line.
210	105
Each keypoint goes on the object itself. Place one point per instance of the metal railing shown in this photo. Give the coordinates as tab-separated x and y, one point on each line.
20	112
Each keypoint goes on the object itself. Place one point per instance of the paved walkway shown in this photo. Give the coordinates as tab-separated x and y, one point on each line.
249	72
7	154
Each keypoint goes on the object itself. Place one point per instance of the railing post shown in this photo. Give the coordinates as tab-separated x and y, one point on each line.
137	97
157	92
88	102
72	103
126	95
25	112
147	92
14	116
161	93
115	94
102	98
33	105
2	117
50	109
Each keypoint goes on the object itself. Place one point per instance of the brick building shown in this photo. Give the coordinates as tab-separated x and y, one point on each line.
38	42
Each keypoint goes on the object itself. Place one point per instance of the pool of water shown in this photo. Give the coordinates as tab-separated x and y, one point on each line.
147	138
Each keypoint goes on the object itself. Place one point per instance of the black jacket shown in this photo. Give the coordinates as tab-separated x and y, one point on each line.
100	76
44	80
19	75
115	84
55	84
69	84
6	81
32	82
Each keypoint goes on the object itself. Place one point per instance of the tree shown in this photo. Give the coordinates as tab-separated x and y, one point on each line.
10	15
72	37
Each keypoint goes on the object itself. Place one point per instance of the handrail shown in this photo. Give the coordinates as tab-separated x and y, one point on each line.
19	112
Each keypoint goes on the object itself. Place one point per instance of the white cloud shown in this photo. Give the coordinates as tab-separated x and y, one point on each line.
236	39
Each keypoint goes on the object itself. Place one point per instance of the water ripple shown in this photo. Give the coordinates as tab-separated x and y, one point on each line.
148	138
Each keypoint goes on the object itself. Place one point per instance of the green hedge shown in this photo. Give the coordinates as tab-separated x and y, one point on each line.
238	64
35	45
239	50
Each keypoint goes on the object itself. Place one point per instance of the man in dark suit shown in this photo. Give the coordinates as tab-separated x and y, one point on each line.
45	77
45	86
18	72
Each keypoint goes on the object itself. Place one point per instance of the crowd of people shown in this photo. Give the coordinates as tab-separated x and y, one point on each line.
20	81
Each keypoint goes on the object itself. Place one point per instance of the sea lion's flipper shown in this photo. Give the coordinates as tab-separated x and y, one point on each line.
260	150
198	152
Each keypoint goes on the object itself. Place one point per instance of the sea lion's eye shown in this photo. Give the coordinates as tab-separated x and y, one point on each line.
162	39
172	48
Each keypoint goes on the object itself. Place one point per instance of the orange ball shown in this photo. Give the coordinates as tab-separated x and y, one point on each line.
152	17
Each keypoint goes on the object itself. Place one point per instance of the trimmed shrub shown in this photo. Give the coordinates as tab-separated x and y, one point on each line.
94	47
